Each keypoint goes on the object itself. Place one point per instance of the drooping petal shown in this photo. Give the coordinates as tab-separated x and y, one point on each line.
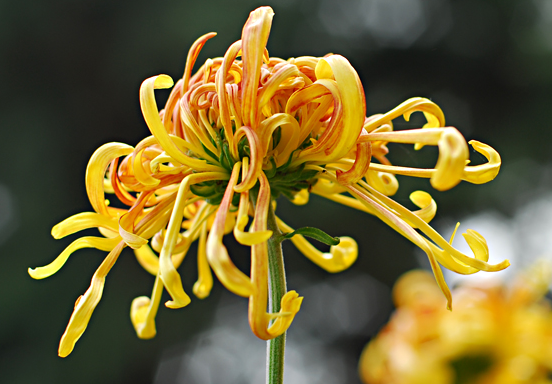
259	319
399	225
170	277
242	237
360	166
85	304
435	237
100	243
229	275
143	311
204	283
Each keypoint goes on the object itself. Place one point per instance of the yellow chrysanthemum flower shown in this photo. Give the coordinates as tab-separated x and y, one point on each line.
233	137
496	334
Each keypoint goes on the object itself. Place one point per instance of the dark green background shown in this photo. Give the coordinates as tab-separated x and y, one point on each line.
70	74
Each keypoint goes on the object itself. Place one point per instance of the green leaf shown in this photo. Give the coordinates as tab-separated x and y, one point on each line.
314	233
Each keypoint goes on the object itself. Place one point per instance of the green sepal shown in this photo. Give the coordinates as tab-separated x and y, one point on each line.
271	172
203	190
313	233
207	151
276	137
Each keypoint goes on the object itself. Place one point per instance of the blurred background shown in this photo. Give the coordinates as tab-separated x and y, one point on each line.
71	72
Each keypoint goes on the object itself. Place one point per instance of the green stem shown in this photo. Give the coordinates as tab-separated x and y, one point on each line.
277	289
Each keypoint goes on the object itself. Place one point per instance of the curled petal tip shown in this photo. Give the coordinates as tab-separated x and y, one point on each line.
383	182
428	207
145	329
201	290
32	273
477	244
301	197
342	256
163	82
179	303
483	173
453	153
291	303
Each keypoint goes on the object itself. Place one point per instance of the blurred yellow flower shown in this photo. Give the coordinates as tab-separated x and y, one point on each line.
497	334
241	131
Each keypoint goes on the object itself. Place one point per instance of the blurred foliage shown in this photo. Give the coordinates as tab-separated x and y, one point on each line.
71	71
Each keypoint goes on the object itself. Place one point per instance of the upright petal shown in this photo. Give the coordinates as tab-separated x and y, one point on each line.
254	38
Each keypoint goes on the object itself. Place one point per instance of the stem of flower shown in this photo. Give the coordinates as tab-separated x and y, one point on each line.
277	289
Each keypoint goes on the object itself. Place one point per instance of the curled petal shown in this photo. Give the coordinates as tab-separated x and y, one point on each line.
100	243
424	201
340	257
143	176
480	174
193	53
360	166
352	96
249	238
189	120
269	89
151	115
383	182
220	82
249	180
453	154
85	304
478	244
348	114
131	239
415	104
126	223
95	172
289	140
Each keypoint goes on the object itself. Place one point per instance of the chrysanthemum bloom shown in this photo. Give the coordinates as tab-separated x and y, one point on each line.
243	130
497	334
